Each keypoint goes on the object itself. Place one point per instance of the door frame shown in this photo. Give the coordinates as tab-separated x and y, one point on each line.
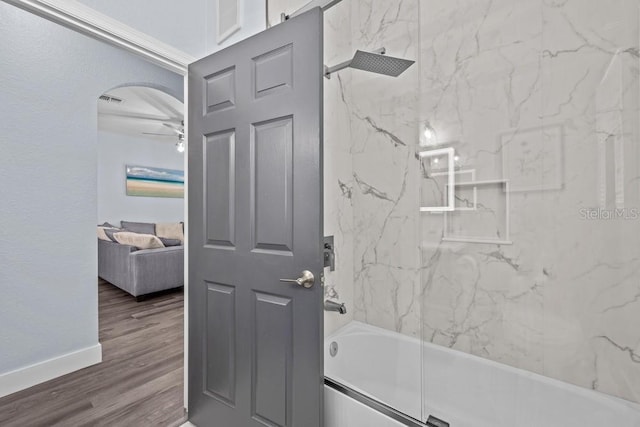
85	20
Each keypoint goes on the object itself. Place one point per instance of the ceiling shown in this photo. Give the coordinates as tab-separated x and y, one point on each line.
143	111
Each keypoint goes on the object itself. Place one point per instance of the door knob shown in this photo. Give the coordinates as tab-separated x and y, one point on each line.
305	280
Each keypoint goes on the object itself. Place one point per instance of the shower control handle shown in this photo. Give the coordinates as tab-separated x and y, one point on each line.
306	280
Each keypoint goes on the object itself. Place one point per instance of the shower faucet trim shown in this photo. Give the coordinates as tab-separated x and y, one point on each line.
335	306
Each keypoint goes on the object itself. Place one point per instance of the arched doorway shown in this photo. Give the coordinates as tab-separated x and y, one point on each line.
141	304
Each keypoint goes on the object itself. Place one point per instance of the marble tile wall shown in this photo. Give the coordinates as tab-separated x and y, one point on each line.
338	167
371	172
544	94
385	183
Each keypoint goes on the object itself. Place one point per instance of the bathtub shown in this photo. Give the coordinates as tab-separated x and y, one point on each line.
459	388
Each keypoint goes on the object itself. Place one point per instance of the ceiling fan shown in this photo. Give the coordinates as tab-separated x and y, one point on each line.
143	111
178	130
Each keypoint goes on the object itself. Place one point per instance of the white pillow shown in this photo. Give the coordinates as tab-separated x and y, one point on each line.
170	230
102	235
140	241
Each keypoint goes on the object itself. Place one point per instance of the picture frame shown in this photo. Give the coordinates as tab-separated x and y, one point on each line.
149	181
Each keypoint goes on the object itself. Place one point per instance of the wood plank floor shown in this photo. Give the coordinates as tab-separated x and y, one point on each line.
139	382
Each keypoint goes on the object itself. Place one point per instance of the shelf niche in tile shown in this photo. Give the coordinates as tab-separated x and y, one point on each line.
480	215
435	197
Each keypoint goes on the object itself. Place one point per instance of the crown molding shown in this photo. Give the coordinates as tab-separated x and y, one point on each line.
85	20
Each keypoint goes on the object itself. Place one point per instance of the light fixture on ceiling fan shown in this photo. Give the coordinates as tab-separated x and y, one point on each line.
180	143
178	130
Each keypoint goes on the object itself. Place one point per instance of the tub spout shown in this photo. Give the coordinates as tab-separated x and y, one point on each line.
335	306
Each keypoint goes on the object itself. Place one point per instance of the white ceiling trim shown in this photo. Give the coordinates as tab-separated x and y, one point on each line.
85	20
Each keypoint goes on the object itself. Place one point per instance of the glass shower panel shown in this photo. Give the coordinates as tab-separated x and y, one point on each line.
530	282
372	211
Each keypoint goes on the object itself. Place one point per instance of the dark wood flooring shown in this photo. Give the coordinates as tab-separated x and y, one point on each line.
138	383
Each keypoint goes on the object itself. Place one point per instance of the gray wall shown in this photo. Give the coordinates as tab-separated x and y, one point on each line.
51	78
191	29
115	151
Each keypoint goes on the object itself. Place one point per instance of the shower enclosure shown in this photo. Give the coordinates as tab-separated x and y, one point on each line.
484	209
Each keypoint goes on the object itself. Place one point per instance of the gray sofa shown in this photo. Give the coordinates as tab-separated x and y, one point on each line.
141	271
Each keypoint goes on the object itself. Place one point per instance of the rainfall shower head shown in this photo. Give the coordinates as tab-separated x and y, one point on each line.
375	62
379	63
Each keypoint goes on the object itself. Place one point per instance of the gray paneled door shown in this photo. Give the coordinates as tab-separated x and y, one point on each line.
255	217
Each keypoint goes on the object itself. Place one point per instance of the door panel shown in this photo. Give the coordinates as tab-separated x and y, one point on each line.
273	358
219	157
273	71
255	217
220	335
272	146
221	90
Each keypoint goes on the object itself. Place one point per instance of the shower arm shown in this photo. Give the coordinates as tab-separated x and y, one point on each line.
341	66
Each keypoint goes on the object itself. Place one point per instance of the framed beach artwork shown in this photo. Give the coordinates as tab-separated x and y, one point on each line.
147	181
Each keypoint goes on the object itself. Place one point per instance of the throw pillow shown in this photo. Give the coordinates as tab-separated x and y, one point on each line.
170	242
139	227
140	241
111	231
170	230
102	235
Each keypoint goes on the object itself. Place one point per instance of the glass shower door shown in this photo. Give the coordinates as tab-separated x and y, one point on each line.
530	236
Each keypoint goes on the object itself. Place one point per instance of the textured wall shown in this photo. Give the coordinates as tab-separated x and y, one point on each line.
115	151
189	26
51	79
186	28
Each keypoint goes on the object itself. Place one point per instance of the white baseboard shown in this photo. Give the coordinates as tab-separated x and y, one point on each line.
29	376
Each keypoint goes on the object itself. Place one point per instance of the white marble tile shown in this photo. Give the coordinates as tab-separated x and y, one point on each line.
386	176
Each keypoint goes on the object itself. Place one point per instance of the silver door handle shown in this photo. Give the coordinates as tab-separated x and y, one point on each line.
305	280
